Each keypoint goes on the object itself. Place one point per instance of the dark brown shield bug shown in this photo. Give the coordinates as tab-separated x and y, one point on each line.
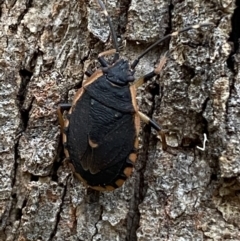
100	132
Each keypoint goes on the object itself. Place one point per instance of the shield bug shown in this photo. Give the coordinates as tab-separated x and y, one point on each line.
100	132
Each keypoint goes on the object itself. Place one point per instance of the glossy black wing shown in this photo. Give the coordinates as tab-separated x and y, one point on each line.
99	136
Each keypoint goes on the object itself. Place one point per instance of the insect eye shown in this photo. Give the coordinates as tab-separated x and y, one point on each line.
105	70
130	79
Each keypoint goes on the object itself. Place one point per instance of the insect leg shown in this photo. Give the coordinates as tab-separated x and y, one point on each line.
101	59
88	73
150	75
61	108
155	126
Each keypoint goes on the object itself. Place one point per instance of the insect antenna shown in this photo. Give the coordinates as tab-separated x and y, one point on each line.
114	36
136	61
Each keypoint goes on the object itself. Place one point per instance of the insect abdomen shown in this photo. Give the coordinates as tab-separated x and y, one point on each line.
100	140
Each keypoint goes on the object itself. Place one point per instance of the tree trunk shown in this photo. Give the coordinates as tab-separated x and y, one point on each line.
183	193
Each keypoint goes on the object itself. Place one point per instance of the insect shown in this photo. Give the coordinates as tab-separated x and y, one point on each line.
100	132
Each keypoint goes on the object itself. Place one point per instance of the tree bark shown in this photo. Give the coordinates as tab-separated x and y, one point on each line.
183	193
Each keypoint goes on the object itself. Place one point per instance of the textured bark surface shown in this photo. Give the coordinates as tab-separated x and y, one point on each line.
180	194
